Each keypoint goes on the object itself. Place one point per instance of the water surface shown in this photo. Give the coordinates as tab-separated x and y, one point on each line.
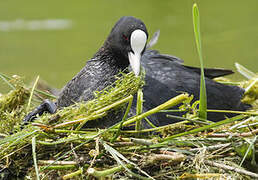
229	33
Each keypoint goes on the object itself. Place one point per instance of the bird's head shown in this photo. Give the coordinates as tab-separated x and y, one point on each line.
127	41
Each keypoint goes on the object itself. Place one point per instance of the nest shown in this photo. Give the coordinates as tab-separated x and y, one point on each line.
59	146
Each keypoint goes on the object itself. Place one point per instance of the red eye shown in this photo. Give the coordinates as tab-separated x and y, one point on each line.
125	37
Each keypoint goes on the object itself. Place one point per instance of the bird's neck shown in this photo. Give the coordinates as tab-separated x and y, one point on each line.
107	55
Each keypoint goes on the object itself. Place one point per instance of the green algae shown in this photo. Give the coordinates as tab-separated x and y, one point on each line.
12	107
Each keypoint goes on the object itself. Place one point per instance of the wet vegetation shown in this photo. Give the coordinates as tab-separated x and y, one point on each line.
61	146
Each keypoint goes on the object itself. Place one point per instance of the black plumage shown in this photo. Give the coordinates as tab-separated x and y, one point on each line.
166	78
124	45
99	71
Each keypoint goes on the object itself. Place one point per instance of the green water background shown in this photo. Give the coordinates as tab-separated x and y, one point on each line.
229	34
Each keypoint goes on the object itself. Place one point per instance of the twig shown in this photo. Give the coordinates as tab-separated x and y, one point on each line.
139	107
201	176
104	173
230	168
144	142
210	148
122	144
242	122
245	134
168	158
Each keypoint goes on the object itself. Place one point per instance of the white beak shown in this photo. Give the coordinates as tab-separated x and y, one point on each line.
138	42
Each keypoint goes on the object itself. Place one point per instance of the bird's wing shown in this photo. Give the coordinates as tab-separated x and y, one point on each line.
211	72
153	40
163	62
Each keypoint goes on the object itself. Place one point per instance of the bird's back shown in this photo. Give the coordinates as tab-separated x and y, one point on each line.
166	78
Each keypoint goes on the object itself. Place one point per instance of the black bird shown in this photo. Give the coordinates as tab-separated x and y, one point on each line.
124	45
166	77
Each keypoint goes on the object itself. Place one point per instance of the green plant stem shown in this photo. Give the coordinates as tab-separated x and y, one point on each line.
149	122
73	174
170	103
103	110
120	158
155	128
33	143
173	110
229	83
82	144
31	93
15	140
61	141
187	119
197	33
104	173
234	112
251	146
68	123
236	118
5	79
124	118
59	167
73	131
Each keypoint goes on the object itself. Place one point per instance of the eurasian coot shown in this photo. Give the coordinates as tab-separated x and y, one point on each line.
124	45
165	76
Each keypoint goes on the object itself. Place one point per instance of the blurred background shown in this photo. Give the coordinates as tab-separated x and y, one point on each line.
53	39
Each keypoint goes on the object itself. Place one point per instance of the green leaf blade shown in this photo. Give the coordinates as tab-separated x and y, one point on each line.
197	33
